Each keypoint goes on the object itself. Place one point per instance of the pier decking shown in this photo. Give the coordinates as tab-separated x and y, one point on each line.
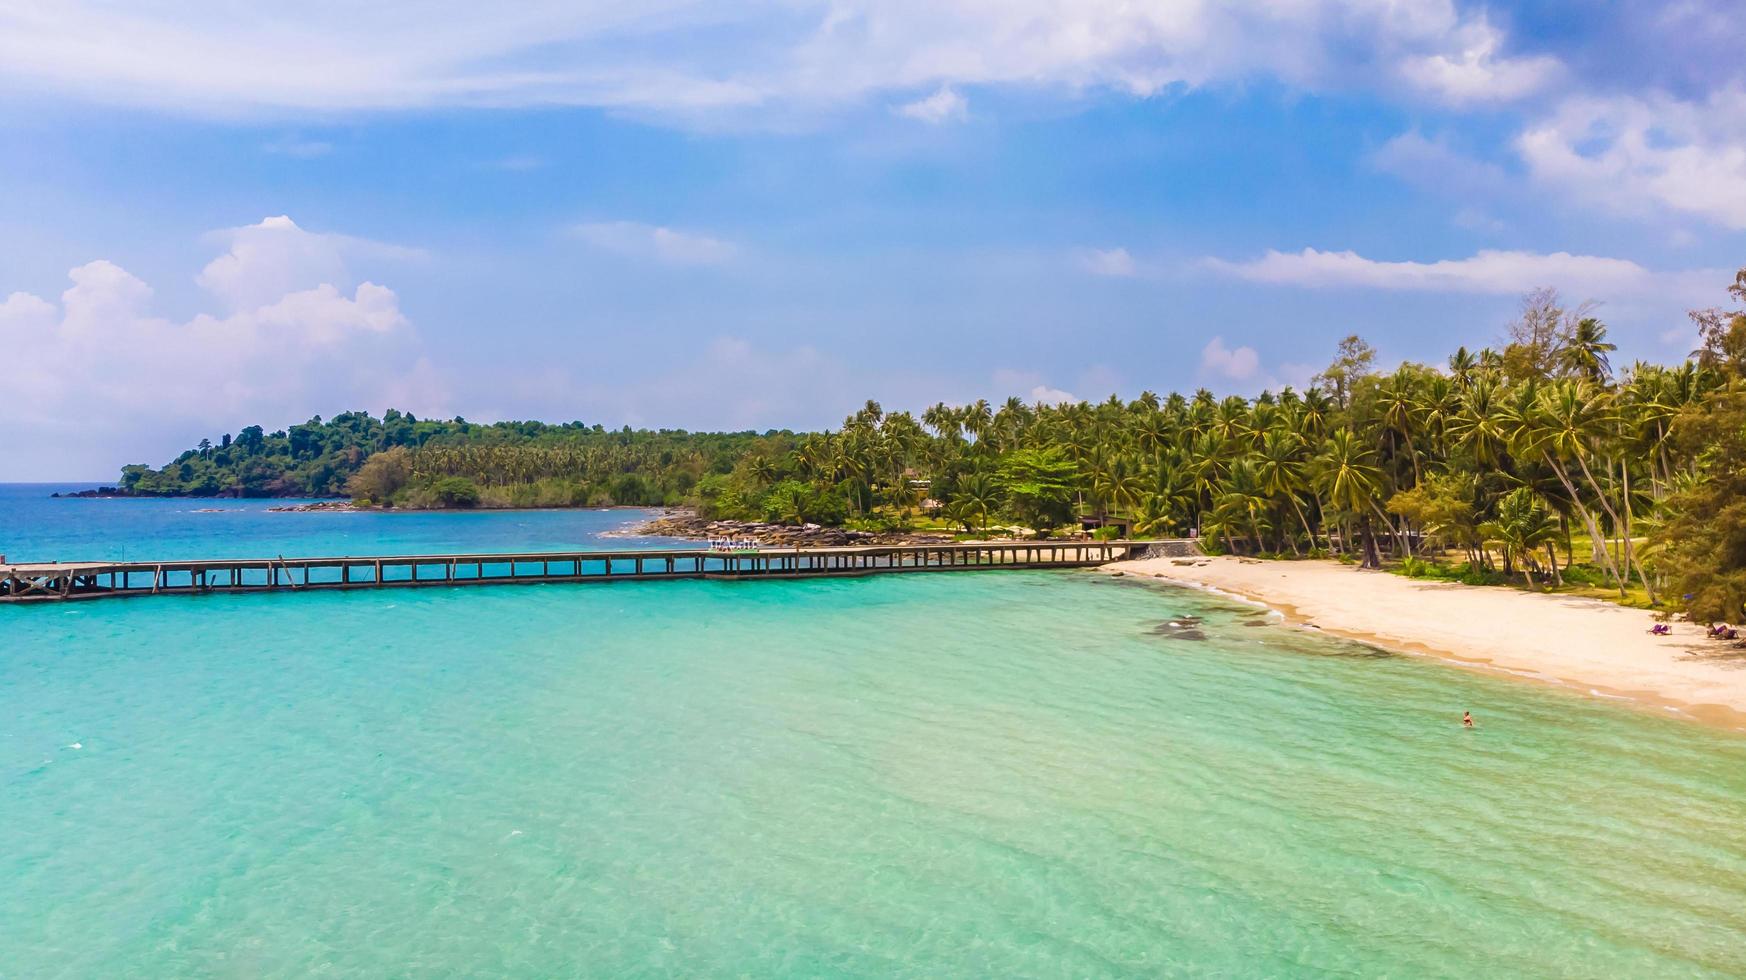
93	580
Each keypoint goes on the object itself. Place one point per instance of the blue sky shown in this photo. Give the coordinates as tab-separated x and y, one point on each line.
759	217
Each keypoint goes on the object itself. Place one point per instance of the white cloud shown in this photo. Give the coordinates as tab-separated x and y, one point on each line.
1501	272
268	260
1045	395
689	57
101	353
1475	72
23	312
1646	155
1114	262
943	106
1030	385
273	257
640	241
1239	364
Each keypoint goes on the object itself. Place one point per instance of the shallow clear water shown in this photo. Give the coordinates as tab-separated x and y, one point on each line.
941	775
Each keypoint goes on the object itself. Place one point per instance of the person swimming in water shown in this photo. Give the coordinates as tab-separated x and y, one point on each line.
1466	719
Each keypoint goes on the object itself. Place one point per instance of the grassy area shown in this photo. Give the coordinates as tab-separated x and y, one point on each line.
1582	578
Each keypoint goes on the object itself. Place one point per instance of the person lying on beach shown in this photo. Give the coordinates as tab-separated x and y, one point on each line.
1661	629
1466	719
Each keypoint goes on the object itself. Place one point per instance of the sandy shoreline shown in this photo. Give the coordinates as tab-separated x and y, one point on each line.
1591	646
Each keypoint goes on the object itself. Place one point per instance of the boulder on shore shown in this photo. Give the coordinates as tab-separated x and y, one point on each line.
685	524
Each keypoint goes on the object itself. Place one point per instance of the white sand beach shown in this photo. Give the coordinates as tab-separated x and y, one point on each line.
1586	644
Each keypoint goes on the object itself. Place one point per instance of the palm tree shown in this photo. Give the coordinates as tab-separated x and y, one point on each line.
1348	478
1398	402
978	418
943	420
1280	468
1243	504
1118	484
1585	354
1167	503
762	469
1480	425
979	496
1313	419
1155	431
1522	524
1562	423
1462	365
1154	517
1205	465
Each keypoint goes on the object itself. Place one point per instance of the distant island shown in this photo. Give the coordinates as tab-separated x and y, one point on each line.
1534	462
400	460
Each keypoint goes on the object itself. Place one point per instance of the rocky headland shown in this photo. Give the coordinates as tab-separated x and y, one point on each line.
687	524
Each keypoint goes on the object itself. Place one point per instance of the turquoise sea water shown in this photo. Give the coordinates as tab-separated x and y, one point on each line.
35	526
978	774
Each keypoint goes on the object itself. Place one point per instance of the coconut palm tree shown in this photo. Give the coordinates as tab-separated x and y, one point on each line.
1462	366
943	420
978	496
1521	526
1585	354
978	418
1243	504
1279	464
762	469
1398	403
1560	427
1118	484
1346	474
1480	424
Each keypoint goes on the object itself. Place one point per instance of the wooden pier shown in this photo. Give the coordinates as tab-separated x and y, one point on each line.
59	582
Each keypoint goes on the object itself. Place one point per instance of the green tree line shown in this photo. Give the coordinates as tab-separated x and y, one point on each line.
400	459
1536	459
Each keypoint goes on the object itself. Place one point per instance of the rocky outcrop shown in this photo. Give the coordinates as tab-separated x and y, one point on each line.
1172	548
683	524
317	505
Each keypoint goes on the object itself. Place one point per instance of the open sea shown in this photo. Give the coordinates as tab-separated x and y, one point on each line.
998	774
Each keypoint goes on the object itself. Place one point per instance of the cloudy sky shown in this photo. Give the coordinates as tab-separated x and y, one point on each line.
760	214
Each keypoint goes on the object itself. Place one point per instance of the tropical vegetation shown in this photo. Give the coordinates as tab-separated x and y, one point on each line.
402	460
1536	460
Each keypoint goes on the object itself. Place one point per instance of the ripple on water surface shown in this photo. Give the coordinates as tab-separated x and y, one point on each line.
1015	774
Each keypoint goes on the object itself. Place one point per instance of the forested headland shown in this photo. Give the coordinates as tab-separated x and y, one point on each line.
401	460
1536	459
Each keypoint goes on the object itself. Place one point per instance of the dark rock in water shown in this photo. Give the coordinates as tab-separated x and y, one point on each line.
1256	622
1183	628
